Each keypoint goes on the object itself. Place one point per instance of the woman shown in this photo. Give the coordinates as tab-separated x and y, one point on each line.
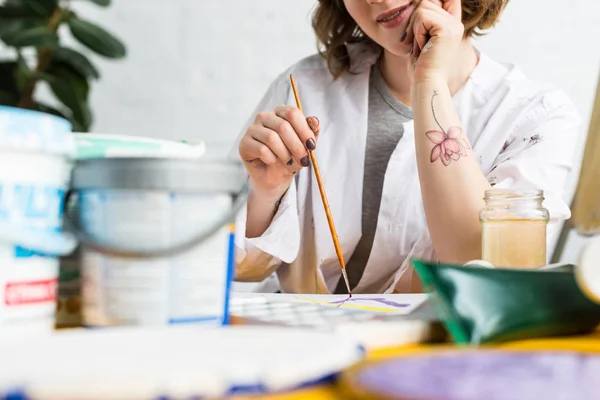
413	125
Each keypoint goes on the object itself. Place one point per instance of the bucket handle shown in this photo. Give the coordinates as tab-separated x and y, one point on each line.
85	238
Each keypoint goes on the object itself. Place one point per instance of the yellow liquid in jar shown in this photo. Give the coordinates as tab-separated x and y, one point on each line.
515	243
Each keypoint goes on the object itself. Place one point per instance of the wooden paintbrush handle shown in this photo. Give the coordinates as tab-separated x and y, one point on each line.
334	235
313	159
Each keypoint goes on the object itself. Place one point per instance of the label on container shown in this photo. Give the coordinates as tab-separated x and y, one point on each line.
27	291
184	288
30	292
36	206
28	279
31	207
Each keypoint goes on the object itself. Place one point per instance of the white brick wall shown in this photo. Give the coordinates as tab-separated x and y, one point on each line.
196	68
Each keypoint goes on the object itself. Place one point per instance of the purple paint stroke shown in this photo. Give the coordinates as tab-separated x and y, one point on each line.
376	299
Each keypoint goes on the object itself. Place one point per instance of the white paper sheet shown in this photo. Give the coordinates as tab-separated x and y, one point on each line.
389	304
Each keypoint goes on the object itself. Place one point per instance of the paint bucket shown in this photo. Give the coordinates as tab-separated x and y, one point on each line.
35	164
99	145
156	241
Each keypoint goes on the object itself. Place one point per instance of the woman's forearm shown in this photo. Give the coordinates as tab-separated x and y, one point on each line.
452	184
261	209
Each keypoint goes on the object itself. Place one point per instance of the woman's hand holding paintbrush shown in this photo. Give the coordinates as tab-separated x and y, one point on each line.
330	221
274	148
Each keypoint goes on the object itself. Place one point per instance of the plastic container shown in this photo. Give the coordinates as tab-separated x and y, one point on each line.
514	228
156	239
99	145
35	153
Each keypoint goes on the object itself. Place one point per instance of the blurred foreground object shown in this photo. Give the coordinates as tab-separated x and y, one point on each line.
586	201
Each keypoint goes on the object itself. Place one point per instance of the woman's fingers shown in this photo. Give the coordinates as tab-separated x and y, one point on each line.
408	36
287	136
423	23
418	17
273	141
252	151
315	125
429	20
299	123
281	136
453	7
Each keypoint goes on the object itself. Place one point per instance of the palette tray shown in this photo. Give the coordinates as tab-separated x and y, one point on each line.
324	310
295	313
416	323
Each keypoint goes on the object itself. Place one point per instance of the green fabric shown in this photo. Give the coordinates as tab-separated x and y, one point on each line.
486	305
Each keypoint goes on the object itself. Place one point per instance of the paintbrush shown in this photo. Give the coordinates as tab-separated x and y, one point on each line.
315	166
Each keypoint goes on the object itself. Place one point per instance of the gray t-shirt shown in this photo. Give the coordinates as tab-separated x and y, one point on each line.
387	116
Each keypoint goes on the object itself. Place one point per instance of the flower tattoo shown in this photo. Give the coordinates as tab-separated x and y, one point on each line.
449	145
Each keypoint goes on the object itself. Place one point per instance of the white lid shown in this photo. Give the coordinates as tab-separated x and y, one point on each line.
98	145
28	130
181	362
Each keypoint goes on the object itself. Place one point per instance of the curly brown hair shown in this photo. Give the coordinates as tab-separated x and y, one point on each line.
334	27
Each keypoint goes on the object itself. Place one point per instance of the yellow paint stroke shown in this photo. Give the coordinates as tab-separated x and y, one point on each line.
350	305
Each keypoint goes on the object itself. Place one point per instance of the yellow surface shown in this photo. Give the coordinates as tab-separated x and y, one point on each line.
589	344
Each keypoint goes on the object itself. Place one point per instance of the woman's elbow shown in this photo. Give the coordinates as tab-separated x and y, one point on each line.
462	249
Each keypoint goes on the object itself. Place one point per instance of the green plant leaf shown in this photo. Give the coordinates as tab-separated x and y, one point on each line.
77	81
43	8
49	110
36	36
96	38
77	61
13	9
27	8
11	27
22	72
8	80
103	3
7	99
71	89
77	127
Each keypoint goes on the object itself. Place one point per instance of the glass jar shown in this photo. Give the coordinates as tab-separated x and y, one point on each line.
513	225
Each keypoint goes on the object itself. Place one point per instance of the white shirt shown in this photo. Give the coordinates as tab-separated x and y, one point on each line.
524	134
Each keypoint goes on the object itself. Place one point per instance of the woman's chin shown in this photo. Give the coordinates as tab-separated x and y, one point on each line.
398	49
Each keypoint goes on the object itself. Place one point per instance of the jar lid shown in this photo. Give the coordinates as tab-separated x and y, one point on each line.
35	131
167	174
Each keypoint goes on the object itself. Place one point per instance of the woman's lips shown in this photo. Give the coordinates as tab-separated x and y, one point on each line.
393	18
